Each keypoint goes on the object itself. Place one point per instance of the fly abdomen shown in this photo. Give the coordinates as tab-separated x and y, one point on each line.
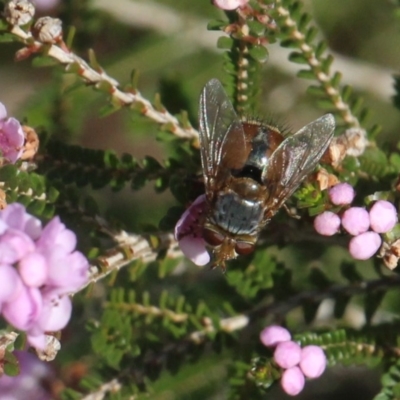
237	215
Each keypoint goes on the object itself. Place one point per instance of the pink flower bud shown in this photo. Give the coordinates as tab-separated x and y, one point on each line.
229	4
287	354
341	194
327	223
364	246
383	216
11	136
274	334
292	381
355	220
188	233
313	361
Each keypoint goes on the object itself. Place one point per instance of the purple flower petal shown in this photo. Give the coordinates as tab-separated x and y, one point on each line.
21	243
15	216
10	283
313	361
195	249
25	308
292	381
229	4
383	216
274	334
8	255
327	223
45	5
188	222
67	272
56	312
364	246
33	269
355	220
56	234
341	194
11	139
287	354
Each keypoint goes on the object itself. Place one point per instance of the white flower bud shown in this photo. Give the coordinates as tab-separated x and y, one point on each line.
19	12
48	30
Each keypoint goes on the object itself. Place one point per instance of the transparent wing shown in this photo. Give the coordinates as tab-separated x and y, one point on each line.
294	159
223	144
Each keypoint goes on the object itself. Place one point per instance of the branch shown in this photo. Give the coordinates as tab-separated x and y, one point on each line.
100	78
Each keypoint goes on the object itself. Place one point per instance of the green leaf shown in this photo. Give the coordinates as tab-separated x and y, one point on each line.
7	38
11	364
306	74
216	25
311	34
256	28
316	91
8	172
290	43
259	53
320	49
297	58
225	42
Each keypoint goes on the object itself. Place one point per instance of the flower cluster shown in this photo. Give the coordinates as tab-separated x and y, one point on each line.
31	383
11	137
364	225
38	269
298	363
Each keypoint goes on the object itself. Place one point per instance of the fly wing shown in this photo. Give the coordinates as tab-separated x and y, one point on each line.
294	159
223	144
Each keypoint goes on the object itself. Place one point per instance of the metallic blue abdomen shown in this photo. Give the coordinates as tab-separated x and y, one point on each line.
237	215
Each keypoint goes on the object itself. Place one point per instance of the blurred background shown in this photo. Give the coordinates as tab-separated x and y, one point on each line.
167	43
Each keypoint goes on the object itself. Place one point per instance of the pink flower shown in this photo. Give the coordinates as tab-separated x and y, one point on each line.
230	4
274	334
341	194
383	216
188	232
287	354
18	242
327	223
313	361
56	312
15	216
66	272
292	381
55	234
355	220
364	246
11	136
38	269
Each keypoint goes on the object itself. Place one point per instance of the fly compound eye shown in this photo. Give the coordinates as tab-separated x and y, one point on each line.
244	248
213	238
